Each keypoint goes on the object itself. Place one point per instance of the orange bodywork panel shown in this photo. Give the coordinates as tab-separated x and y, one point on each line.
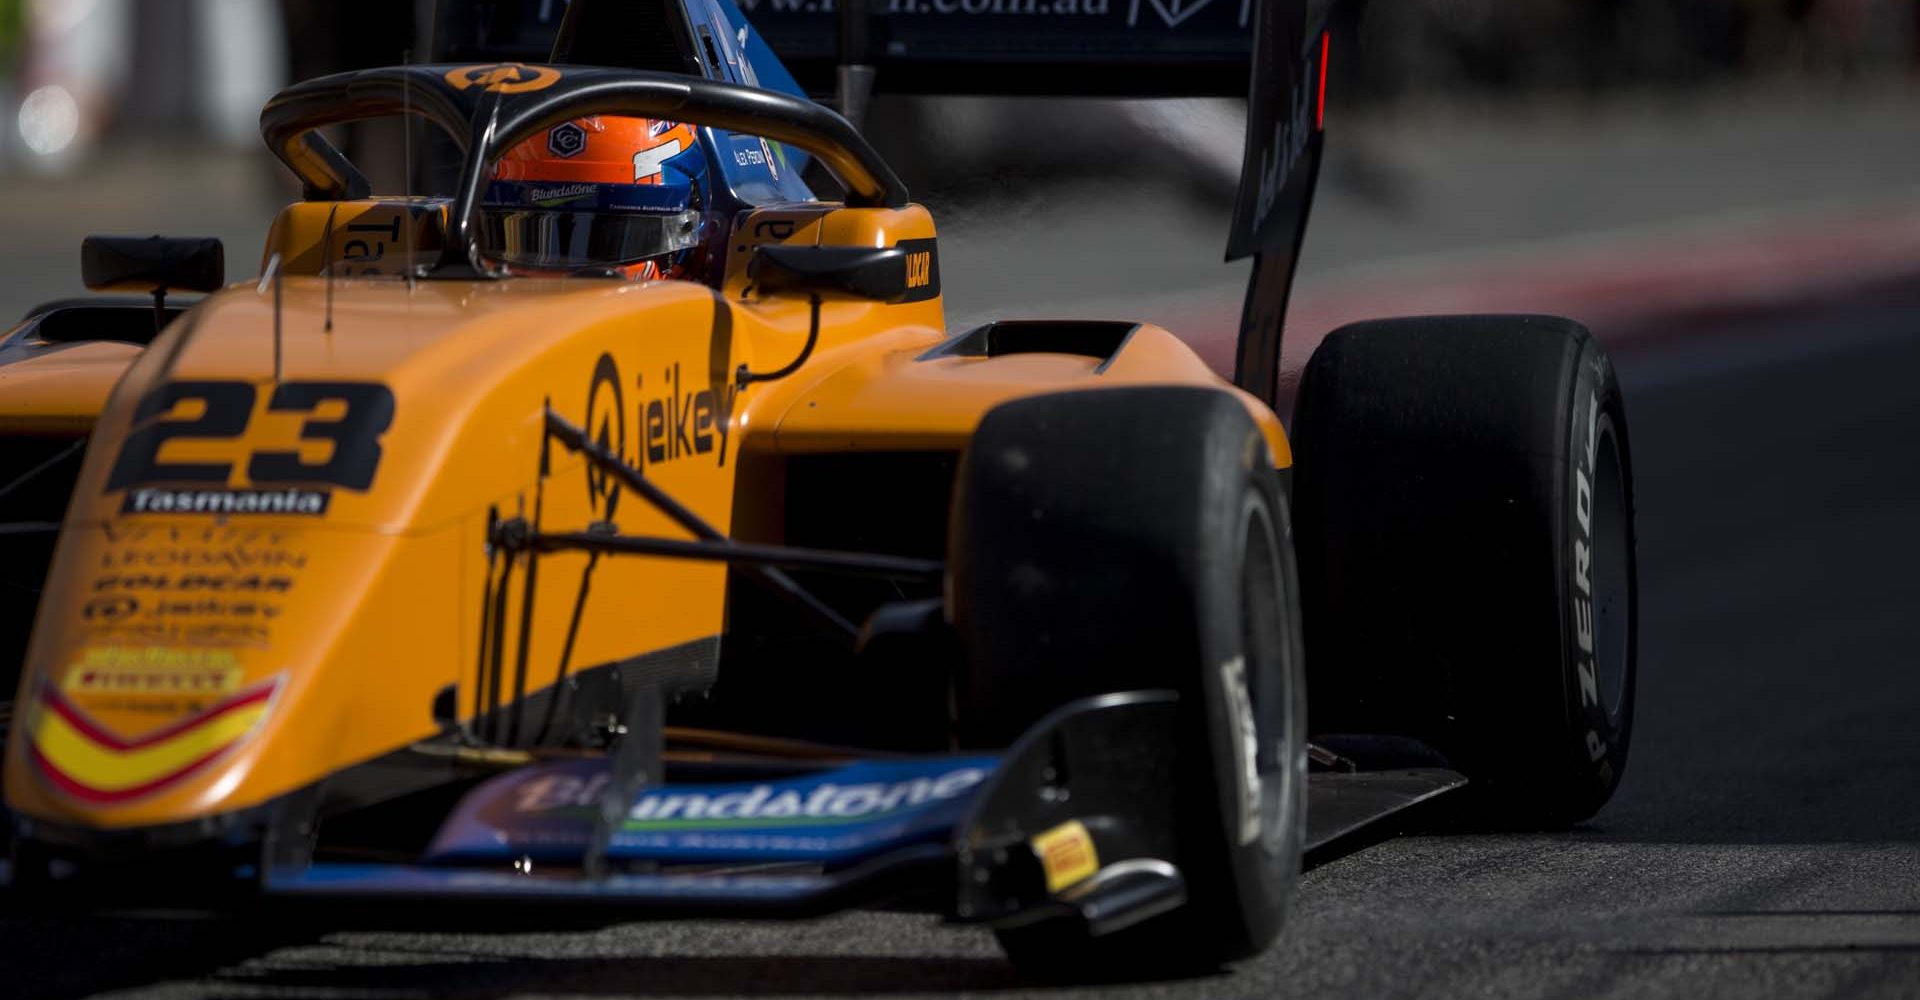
888	395
61	391
277	560
364	238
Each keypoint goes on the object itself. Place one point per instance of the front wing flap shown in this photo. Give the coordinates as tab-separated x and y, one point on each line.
1075	820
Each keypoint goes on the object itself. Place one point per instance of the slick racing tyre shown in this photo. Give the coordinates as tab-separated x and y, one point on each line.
1134	539
1465	509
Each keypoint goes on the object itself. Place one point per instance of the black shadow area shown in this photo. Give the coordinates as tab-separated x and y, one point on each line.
58	957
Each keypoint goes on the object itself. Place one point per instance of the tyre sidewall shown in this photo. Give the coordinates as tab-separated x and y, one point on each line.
1442	464
1171	523
1599	714
1225	869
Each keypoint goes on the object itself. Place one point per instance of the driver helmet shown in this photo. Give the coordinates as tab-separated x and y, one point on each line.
595	195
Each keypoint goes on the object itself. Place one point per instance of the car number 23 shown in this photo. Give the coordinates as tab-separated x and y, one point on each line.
227	407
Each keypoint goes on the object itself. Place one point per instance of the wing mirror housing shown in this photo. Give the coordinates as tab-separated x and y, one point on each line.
884	274
154	265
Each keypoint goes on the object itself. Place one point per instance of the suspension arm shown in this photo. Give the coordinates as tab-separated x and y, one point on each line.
774	579
742	554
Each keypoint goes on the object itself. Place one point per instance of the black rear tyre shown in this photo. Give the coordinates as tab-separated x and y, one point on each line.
1465	503
1135	539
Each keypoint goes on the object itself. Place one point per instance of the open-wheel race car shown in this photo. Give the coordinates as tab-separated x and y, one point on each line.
654	549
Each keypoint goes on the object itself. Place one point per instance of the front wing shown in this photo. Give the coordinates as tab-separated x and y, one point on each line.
1075	820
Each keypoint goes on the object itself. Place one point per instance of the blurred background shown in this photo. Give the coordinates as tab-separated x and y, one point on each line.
1458	126
1726	191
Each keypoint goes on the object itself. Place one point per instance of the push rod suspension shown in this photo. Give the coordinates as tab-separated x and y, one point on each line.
743	553
774	579
33	473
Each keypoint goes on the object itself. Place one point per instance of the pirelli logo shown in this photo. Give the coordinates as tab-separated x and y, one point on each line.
1067	855
154	670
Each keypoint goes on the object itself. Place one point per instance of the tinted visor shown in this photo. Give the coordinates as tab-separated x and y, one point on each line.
569	227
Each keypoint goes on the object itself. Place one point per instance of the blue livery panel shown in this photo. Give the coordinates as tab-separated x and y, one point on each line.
546	812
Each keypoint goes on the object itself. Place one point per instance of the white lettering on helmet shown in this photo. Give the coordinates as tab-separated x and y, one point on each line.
649	162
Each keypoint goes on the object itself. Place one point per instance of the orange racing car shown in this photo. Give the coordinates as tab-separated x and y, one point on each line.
627	531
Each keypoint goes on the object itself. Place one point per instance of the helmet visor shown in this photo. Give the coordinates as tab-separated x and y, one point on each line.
586	226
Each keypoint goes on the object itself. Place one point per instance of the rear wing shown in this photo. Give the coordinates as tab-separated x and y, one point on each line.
1140	48
1137	48
1123	48
1286	130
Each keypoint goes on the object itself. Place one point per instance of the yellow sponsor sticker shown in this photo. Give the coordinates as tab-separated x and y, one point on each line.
1066	854
503	78
159	670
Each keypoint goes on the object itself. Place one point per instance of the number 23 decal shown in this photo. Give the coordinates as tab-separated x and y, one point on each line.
354	434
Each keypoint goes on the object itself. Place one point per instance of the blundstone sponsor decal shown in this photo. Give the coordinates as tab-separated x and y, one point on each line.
842	814
756	805
549	197
1583	468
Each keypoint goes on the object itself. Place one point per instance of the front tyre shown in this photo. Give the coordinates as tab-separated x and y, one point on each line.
1132	539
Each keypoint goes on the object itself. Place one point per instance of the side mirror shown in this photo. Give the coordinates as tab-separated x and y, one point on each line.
903	273
153	264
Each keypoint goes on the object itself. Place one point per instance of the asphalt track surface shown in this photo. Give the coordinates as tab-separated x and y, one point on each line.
1766	841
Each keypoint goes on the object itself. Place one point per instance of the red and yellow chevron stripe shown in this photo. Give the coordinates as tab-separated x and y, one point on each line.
82	758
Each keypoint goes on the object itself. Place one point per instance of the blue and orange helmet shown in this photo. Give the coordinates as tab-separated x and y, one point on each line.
598	195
